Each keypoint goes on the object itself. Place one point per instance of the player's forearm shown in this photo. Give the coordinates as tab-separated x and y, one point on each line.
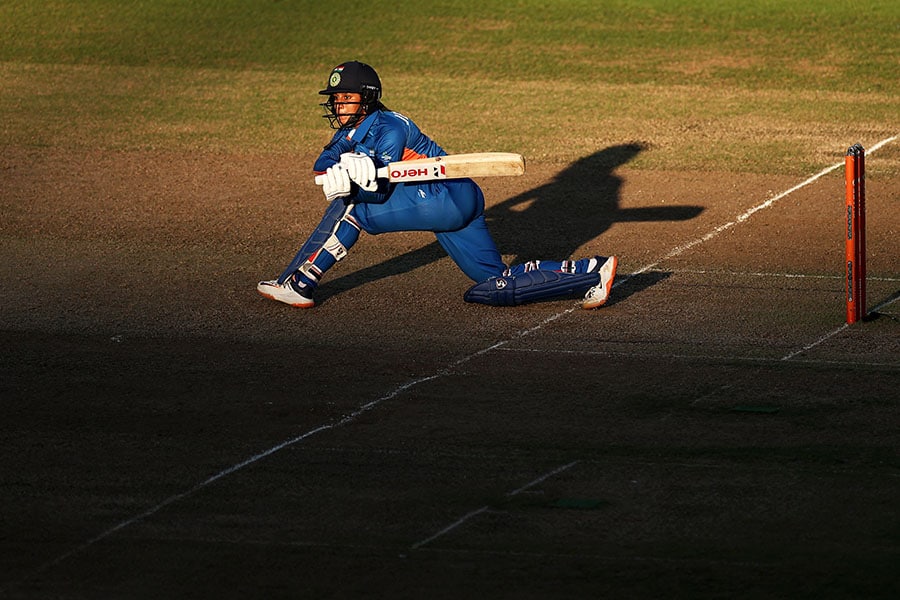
331	155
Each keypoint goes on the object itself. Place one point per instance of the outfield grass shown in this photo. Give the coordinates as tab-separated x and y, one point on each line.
772	86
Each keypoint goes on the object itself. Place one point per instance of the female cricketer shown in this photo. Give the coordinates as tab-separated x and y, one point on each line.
369	136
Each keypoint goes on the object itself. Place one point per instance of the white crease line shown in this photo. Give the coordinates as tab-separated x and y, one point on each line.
747	214
831	334
824	338
485	508
543	477
764	274
694	357
450	527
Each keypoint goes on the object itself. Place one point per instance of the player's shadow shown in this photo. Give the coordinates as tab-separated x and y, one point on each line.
551	221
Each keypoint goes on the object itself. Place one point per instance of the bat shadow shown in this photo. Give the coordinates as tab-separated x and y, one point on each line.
550	221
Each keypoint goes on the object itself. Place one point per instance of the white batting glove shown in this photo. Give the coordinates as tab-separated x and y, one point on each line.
336	183
361	170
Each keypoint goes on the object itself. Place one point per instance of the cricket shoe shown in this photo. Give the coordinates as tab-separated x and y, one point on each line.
288	292
597	295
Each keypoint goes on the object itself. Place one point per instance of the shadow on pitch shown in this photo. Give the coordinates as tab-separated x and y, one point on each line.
628	285
879	313
551	221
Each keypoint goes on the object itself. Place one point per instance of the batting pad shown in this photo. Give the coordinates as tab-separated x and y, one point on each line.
319	237
533	286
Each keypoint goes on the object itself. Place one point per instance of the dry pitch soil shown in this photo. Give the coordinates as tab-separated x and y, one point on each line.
712	432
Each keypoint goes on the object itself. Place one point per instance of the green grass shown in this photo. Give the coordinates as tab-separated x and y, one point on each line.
555	81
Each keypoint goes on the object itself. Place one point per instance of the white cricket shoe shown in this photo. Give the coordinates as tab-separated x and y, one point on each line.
597	295
286	292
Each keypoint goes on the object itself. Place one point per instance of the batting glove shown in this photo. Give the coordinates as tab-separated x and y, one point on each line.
337	182
361	170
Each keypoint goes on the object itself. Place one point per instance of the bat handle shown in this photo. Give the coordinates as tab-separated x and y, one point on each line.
381	173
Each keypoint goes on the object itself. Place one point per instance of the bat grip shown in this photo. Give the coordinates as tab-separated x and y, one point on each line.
381	173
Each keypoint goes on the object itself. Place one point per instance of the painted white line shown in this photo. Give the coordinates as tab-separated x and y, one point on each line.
883	142
886	303
698	357
485	508
764	274
831	334
824	338
750	212
449	528
542	478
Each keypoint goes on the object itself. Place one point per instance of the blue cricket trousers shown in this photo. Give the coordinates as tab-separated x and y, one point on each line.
453	210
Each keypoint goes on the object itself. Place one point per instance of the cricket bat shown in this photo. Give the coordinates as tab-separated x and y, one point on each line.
452	166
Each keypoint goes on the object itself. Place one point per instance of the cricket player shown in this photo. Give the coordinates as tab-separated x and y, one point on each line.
369	136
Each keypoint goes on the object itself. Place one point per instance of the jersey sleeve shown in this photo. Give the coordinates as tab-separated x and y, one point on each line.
331	154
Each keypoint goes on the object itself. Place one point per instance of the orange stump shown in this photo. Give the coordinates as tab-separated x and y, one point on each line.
855	176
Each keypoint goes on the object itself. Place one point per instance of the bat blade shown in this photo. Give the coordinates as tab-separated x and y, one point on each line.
452	166
455	166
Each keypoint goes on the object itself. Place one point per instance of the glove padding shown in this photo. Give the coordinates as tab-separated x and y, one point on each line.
361	169
337	182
